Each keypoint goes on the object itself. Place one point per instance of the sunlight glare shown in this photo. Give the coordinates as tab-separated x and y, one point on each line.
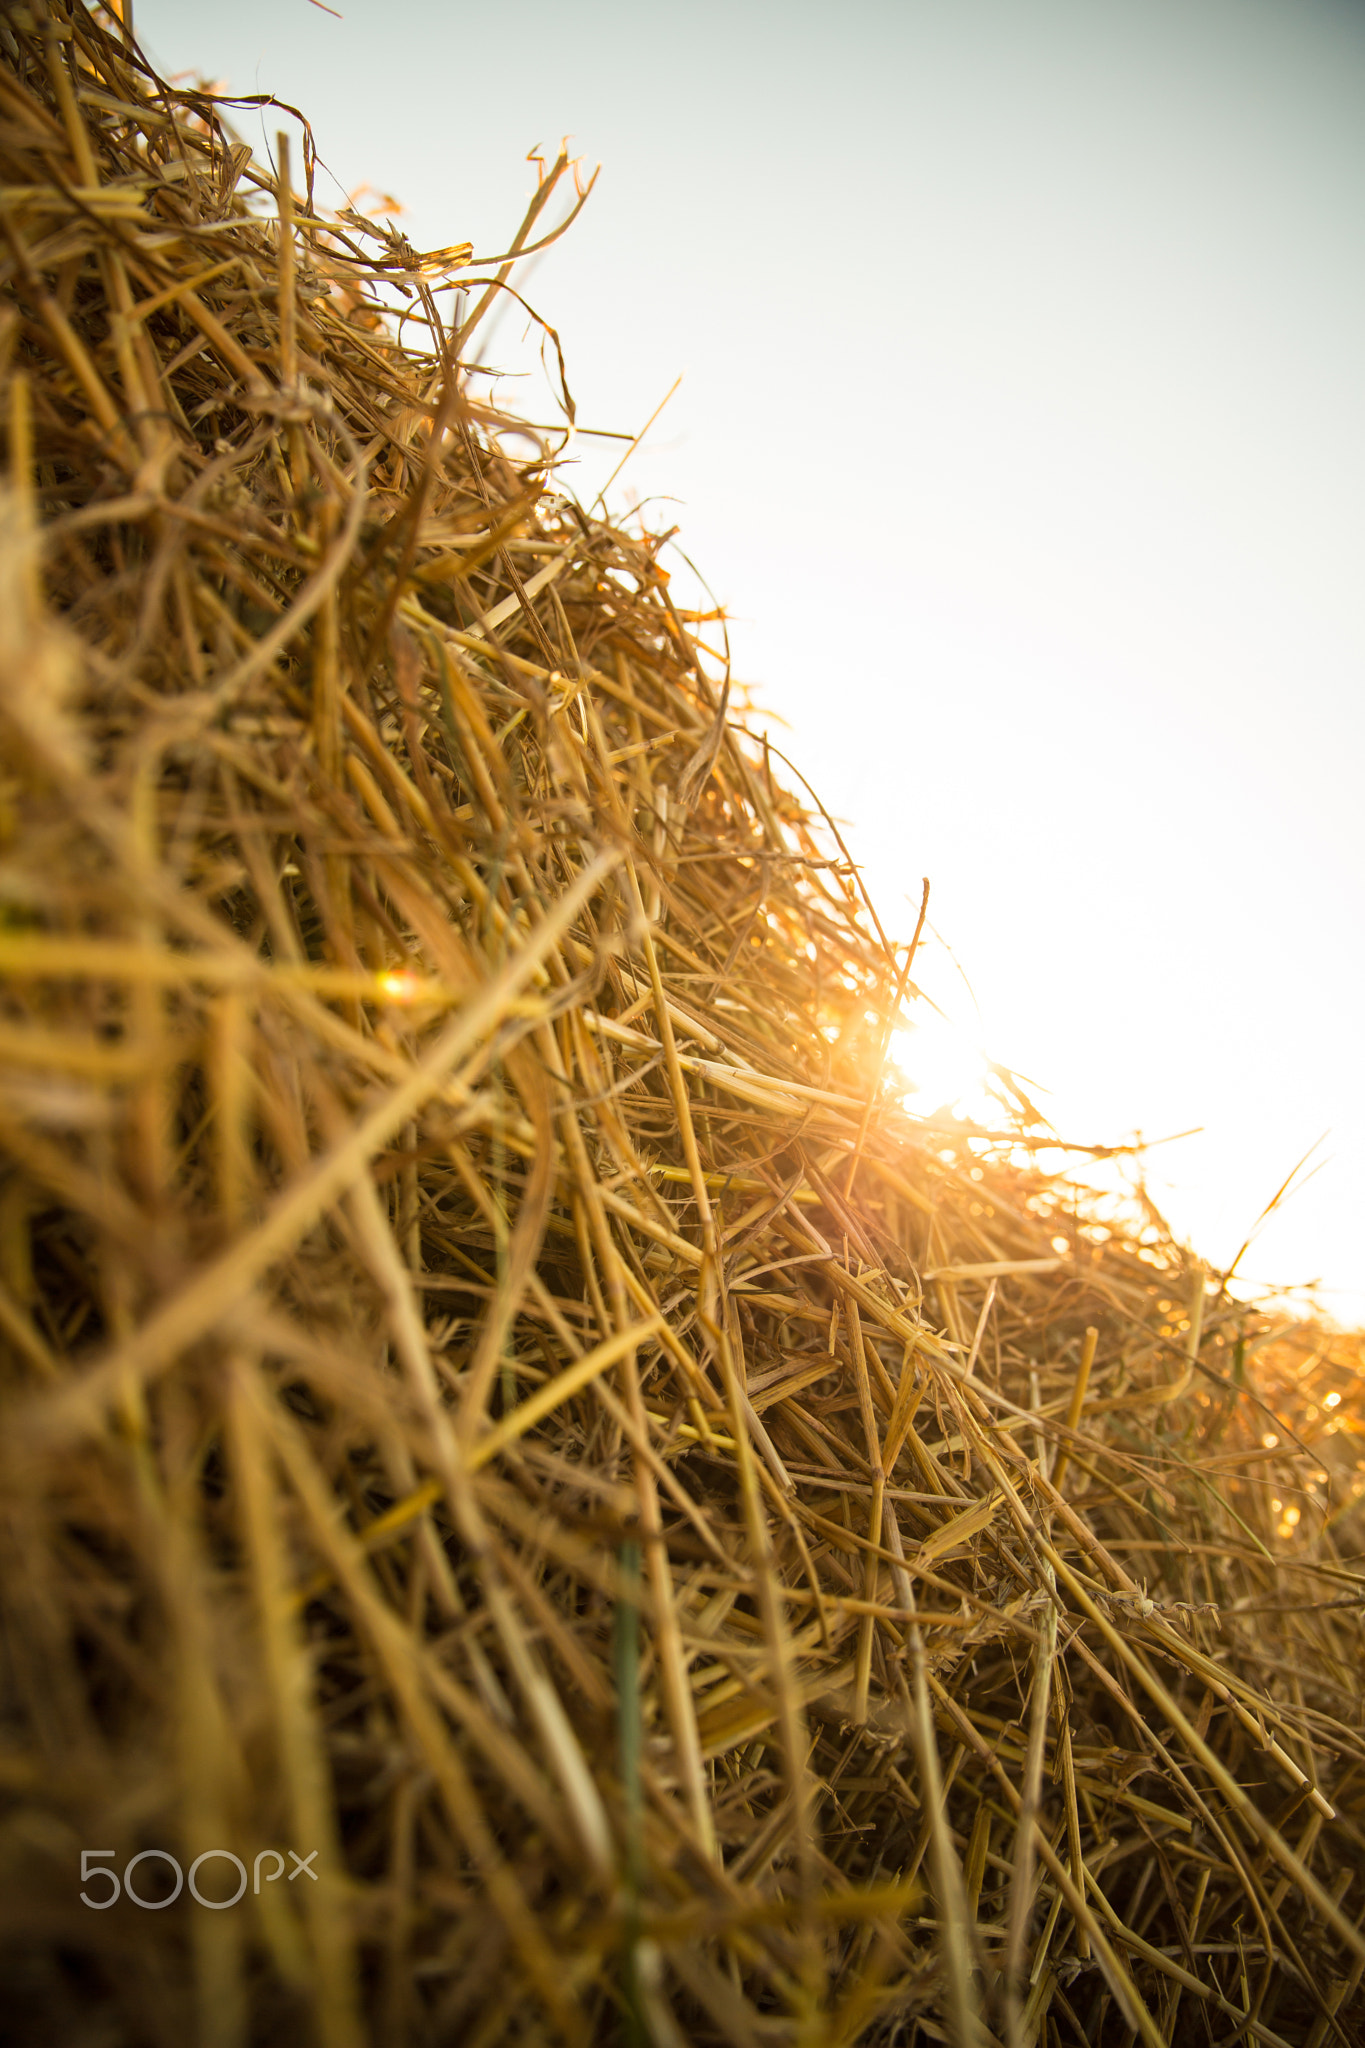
941	1070
399	987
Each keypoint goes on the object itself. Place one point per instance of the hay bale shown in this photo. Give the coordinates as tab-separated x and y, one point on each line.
510	1430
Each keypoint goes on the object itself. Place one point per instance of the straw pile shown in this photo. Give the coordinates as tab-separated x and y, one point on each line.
503	1408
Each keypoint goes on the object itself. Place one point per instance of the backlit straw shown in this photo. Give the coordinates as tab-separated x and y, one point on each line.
500	1398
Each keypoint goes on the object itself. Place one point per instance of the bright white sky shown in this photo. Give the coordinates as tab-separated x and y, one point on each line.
1023	432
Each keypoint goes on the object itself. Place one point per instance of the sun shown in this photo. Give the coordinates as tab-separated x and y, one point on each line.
940	1069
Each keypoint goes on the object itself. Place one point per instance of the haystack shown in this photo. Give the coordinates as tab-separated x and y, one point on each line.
539	1504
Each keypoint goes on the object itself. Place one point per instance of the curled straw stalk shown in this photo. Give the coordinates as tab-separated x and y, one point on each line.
495	1391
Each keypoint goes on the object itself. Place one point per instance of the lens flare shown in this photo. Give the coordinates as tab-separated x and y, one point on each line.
940	1069
396	987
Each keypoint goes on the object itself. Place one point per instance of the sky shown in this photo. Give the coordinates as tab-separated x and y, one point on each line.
1022	434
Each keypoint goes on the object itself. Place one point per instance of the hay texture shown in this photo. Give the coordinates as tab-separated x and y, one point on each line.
501	1403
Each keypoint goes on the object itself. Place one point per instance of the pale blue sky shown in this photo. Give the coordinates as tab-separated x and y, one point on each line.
1023	429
